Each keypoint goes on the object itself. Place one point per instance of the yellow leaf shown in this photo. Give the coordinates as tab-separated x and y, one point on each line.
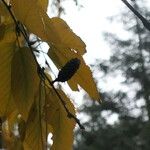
33	135
7	134
61	124
21	128
17	144
6	102
30	14
4	14
3	10
2	31
44	4
11	141
12	118
82	77
66	37
9	33
7	47
24	80
54	31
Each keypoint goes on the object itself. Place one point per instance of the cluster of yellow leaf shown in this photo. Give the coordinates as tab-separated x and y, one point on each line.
22	96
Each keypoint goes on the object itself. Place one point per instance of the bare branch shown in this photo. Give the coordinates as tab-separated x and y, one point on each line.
145	22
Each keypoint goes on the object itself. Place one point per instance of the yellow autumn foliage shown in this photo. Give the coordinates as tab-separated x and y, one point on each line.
57	117
28	98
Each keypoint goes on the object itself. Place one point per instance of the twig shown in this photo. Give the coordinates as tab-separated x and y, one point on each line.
145	22
40	119
69	114
1	138
46	127
8	8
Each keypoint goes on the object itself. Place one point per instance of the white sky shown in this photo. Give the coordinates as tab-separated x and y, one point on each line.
90	21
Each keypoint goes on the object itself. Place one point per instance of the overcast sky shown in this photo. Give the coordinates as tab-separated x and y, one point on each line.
90	21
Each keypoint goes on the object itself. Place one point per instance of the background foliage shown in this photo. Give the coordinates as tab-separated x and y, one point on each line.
130	59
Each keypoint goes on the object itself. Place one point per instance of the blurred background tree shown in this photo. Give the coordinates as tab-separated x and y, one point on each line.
130	59
57	7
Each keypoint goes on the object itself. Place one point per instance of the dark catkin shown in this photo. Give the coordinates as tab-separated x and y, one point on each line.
68	70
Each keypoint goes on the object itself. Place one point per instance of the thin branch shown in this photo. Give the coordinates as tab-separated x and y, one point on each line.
145	22
46	127
40	118
8	7
1	136
69	114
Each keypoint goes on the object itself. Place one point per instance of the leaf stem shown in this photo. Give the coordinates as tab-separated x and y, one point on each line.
1	136
69	114
46	128
39	111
